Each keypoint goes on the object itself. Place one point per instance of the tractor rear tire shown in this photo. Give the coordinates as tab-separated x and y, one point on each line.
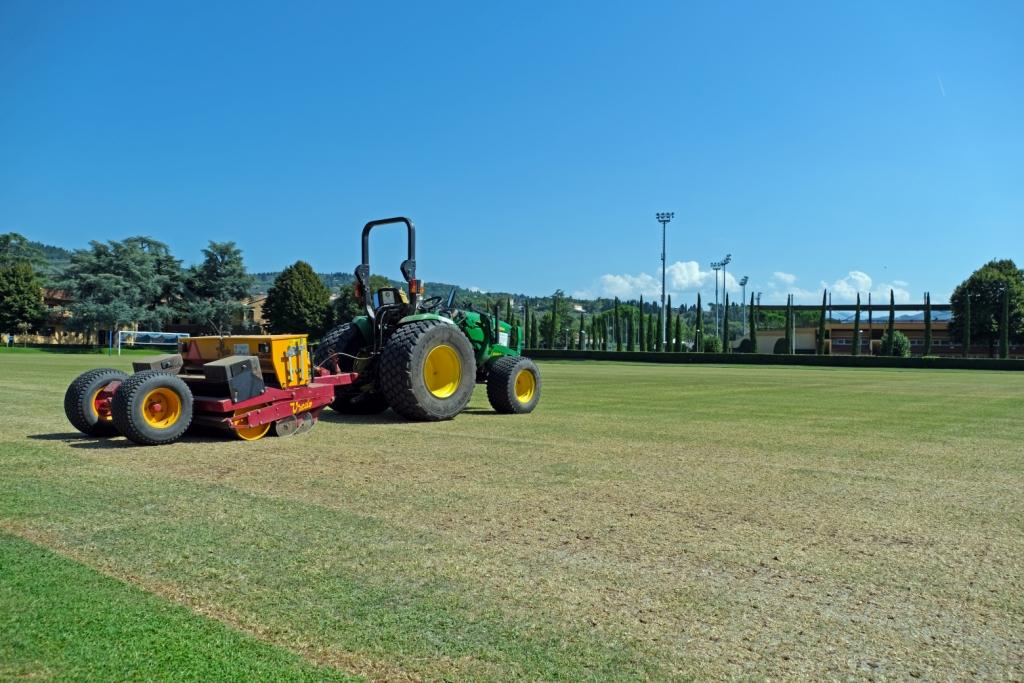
152	408
513	384
428	371
80	401
342	343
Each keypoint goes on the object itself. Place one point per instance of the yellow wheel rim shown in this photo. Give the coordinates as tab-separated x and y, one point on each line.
442	371
526	384
96	411
161	408
246	433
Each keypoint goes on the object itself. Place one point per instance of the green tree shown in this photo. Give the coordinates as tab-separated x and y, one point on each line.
725	325
668	325
753	325
583	328
678	346
856	329
136	280
790	341
890	337
657	332
617	326
1004	326
643	325
712	344
216	287
698	327
15	248
534	332
21	297
298	302
819	347
927	324
986	287
966	327
898	344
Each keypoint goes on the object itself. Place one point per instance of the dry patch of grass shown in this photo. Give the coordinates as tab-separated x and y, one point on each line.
646	522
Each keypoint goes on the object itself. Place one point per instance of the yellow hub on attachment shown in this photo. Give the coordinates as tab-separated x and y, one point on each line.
526	384
107	417
247	433
161	408
442	371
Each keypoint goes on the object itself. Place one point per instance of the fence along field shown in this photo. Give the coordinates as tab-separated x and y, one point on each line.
646	521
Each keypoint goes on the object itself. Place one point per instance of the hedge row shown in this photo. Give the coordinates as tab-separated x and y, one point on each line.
774	359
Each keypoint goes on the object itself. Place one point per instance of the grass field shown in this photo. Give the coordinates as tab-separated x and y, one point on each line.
647	521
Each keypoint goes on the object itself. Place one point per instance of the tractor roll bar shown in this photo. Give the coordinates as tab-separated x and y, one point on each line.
408	266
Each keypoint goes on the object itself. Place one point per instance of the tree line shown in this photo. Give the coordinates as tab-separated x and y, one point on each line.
137	281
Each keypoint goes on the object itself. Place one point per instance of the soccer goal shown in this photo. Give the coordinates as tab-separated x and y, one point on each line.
131	339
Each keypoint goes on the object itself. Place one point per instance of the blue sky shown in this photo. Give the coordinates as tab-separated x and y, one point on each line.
859	145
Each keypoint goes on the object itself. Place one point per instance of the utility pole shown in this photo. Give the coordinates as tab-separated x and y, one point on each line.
663	218
716	266
743	303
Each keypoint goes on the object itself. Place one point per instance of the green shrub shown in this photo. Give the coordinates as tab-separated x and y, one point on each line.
781	346
900	345
712	345
746	346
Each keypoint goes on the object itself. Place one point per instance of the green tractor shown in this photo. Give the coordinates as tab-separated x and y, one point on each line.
421	357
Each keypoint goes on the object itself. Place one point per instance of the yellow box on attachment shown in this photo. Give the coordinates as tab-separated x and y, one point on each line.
284	357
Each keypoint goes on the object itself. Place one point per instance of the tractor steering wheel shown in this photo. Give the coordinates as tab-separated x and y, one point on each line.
431	303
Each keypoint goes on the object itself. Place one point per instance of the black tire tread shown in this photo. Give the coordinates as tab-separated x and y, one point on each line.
396	373
501	384
74	401
354	399
127	421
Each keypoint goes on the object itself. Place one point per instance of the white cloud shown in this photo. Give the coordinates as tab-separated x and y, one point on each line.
845	289
787	278
681	278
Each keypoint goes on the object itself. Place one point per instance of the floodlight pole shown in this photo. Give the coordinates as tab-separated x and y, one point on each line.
725	262
663	218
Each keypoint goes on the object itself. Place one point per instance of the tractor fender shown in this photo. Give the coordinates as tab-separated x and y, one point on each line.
365	327
425	316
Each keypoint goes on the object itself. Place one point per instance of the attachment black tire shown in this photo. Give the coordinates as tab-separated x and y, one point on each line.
344	343
152	408
513	384
427	370
80	401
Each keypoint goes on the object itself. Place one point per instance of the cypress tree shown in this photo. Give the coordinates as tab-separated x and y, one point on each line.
927	324
657	333
535	332
967	323
678	346
753	325
1004	325
643	325
617	326
668	325
856	328
888	350
725	325
508	309
820	347
789	313
583	326
630	330
553	331
650	332
698	328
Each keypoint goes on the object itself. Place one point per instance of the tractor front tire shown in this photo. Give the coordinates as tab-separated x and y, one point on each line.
428	371
513	384
80	401
152	408
343	344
